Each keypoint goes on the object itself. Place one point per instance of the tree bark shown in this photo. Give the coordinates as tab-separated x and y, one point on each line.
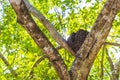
49	27
85	55
24	18
88	52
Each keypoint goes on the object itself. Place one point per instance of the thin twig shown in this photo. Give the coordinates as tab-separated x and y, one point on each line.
35	65
107	71
110	61
111	43
102	61
114	36
104	67
8	65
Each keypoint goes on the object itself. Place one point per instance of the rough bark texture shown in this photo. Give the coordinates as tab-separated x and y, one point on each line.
87	53
26	20
49	27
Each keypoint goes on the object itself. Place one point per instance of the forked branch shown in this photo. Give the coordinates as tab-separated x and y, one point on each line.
25	19
49	27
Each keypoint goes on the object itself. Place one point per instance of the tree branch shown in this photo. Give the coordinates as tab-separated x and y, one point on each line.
114	68
117	70
25	19
8	65
111	64
35	65
101	63
107	71
49	27
110	61
88	52
111	43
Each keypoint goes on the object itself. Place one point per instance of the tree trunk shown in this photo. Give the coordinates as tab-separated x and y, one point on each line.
28	23
92	44
86	54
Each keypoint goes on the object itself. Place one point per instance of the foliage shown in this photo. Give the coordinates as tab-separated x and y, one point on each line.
67	16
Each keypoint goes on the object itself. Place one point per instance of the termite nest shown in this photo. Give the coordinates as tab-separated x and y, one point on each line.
76	39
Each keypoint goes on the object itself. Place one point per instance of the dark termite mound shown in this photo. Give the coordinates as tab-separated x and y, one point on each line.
76	40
